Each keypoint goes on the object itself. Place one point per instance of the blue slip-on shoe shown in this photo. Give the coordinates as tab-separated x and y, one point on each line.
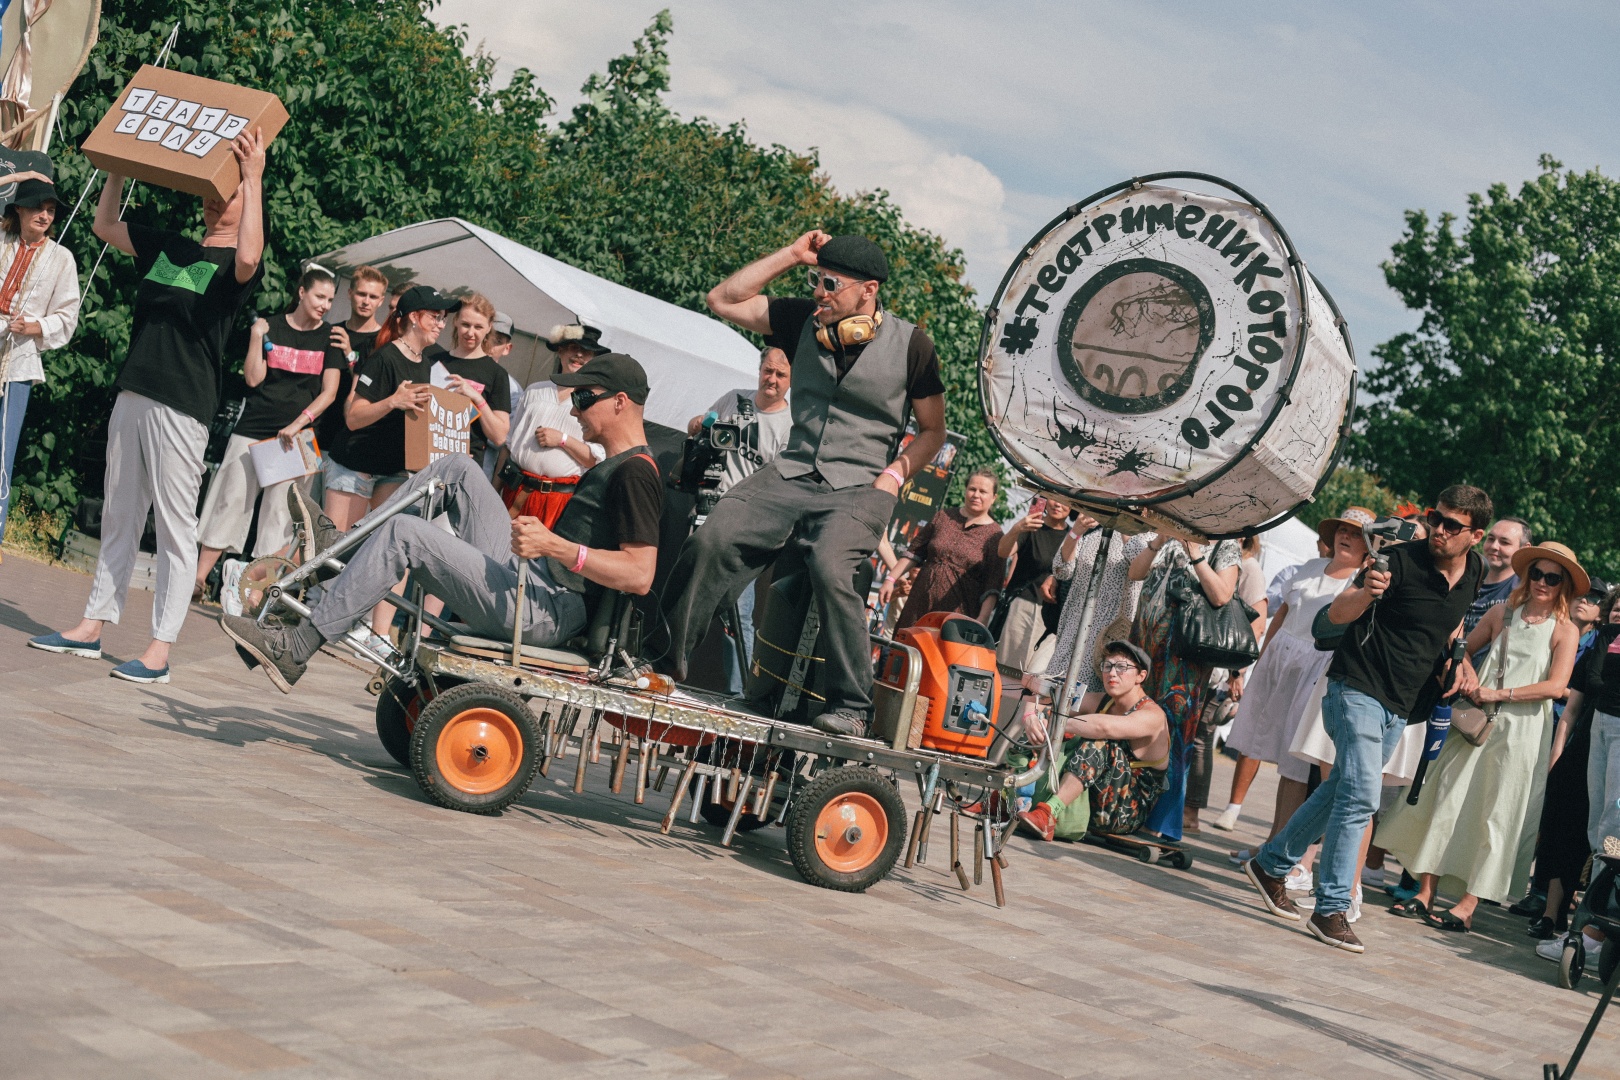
90	650
135	671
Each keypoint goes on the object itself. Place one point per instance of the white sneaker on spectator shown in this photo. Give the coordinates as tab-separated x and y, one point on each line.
1300	880
1374	879
1354	914
1553	949
1229	817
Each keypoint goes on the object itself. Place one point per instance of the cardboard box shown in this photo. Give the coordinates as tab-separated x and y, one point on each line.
444	427
175	130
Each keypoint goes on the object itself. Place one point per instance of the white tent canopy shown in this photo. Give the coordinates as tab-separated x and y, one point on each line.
691	359
1289	544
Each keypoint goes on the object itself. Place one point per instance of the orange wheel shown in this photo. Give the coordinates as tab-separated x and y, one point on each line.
475	748
851	832
479	750
845	828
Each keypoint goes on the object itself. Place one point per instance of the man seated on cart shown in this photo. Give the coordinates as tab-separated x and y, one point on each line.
1118	750
606	538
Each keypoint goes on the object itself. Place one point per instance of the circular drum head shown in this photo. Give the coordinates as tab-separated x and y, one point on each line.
1161	348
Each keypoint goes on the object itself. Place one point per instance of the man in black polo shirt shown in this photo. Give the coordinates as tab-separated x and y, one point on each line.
1401	621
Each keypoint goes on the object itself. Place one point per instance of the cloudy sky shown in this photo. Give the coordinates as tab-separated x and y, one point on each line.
986	119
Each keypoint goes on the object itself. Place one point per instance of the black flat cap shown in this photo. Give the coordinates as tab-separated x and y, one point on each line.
856	256
614	372
1135	652
425	298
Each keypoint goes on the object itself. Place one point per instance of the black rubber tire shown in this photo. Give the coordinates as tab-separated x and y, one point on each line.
806	807
717	814
397	708
1147	853
431	724
1181	860
1572	963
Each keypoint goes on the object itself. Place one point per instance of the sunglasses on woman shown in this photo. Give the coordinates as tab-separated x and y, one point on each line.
1437	520
1550	578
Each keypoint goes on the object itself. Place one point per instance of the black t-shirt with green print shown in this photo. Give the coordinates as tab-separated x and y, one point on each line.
188	301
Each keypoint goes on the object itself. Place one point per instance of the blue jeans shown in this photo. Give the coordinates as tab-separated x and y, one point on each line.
13	404
1364	735
745	630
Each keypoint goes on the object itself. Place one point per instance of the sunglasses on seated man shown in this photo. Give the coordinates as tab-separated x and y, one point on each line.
1439	521
583	398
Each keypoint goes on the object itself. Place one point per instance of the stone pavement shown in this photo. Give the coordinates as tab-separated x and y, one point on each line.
207	878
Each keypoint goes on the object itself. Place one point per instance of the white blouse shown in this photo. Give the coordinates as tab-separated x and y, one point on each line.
540	408
49	296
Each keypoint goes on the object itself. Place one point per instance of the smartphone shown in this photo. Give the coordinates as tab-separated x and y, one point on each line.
1038	506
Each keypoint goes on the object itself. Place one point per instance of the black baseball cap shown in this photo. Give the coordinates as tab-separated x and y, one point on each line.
35	193
1597	590
1135	652
613	372
856	256
425	298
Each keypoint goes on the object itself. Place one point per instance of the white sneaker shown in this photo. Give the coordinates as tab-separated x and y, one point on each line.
1354	914
1553	949
1228	819
1299	880
230	577
1375	879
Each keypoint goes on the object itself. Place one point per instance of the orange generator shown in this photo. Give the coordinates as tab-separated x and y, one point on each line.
960	679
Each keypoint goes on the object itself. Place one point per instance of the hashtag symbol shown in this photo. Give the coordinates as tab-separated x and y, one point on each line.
1018	336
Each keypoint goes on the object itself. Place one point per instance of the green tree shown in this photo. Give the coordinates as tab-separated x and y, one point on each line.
1511	381
392	122
1349	486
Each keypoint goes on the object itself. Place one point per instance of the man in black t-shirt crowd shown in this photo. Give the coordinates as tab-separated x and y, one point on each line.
858	373
185	308
606	538
1401	622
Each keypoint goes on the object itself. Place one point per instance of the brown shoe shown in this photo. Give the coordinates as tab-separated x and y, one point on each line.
1273	892
1335	930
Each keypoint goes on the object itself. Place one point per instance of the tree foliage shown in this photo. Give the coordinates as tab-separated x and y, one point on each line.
1347	487
392	122
1511	382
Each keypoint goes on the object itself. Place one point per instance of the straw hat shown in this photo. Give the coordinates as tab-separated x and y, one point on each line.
1359	516
1552	551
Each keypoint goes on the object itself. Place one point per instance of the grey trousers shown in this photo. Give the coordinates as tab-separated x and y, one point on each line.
154	462
473	571
749	527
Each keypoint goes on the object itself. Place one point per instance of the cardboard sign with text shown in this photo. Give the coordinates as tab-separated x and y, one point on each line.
444	427
175	130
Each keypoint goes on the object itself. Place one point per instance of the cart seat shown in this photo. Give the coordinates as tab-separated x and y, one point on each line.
608	630
533	655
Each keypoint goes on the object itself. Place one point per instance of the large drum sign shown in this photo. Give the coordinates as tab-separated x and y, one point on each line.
1165	350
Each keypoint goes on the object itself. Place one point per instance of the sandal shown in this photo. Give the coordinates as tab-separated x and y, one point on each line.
1445	920
1410	909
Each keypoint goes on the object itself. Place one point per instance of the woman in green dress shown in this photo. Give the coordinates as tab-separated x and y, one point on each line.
1475	824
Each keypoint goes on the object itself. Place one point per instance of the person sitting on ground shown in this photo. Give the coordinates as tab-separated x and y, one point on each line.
1123	754
607	538
545	452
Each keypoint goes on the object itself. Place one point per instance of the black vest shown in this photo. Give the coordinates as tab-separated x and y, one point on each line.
585	521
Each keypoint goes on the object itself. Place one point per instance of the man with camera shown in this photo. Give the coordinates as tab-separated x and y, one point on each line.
740	432
1401	618
859	372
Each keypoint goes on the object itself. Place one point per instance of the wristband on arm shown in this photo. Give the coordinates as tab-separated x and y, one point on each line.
894	472
579	562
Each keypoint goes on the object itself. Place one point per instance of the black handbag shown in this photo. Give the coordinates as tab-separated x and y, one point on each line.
1205	634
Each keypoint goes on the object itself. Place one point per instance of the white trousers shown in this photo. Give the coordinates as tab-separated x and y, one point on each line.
228	511
154	462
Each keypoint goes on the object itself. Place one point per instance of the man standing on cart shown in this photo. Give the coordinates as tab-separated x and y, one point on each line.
859	372
606	538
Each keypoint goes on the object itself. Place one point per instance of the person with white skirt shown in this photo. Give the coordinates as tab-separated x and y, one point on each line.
1283	686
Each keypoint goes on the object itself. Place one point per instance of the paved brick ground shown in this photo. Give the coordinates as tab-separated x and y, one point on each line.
208	878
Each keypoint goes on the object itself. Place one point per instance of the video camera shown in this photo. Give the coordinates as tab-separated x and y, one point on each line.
703	465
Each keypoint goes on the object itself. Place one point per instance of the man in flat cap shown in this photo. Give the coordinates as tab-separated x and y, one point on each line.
606	538
859	372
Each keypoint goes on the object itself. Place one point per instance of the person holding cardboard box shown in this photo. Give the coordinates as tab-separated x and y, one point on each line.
292	373
168	393
474	374
39	307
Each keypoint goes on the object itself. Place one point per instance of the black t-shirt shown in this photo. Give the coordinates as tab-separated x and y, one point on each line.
490	379
380	448
331	431
1411	625
1597	673
789	314
294	363
184	310
1035	553
636	501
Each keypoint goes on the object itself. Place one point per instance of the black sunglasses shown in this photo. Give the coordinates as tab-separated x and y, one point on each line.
584	399
1437	520
1551	578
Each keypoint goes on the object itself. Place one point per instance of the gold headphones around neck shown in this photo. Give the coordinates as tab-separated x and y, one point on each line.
854	330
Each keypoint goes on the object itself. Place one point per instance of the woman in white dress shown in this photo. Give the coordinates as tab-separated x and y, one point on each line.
1475	824
1282	688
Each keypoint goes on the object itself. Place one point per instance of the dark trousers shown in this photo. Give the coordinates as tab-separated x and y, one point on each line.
837	528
